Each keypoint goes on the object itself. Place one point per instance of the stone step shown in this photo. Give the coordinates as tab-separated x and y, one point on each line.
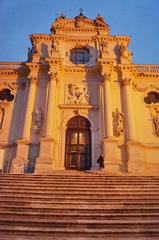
102	197
77	215
80	223
81	186
99	202
82	198
78	206
80	232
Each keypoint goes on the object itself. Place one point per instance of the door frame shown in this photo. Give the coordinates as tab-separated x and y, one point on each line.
73	149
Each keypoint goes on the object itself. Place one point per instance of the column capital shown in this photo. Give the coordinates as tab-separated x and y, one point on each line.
53	76
106	77
33	79
126	82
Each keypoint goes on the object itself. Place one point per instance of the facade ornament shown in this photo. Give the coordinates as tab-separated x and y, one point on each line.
126	82
104	46
2	113
31	51
152	98
118	118
38	118
107	77
54	47
79	20
53	76
77	94
124	52
100	22
155	120
33	79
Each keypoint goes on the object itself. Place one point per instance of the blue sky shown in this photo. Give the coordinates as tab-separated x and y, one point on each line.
138	19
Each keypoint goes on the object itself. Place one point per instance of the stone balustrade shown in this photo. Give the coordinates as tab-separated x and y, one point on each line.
146	68
10	65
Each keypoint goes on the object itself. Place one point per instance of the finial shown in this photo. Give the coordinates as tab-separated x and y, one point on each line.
81	11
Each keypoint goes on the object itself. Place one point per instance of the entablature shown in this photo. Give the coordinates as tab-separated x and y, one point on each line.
77	107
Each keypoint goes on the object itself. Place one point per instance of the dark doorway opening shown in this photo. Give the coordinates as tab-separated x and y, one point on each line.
78	144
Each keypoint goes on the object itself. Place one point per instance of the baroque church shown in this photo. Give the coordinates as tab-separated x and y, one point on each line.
79	96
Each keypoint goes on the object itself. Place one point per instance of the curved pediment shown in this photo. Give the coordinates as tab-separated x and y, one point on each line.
80	23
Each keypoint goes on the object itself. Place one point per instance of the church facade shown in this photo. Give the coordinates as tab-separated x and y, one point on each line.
77	97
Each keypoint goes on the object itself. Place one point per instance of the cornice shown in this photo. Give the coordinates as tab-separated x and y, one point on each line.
80	106
139	70
9	72
40	37
80	69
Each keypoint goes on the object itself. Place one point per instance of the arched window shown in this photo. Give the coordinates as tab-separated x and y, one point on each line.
80	55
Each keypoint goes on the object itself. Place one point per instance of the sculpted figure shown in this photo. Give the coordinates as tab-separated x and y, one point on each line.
38	119
124	52
118	118
104	46
156	123
2	112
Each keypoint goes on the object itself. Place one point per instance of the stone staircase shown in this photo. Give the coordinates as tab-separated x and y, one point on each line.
78	206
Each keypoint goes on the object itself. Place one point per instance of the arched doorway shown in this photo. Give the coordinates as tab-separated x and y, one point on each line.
78	144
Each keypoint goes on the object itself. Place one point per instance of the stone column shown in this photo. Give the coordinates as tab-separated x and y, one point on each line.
20	162
107	106
109	142
44	164
50	105
132	147
29	108
129	115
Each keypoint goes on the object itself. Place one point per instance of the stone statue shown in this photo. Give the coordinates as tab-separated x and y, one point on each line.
104	46
2	112
30	53
124	52
118	118
38	120
156	123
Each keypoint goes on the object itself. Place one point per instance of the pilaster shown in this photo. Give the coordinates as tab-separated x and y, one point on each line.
20	162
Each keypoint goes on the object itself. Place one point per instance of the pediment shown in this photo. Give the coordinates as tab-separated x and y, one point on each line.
79	22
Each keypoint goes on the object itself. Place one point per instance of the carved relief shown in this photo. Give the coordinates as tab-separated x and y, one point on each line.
77	94
118	118
38	120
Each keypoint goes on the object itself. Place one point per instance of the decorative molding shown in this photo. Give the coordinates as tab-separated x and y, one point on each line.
106	77
78	106
53	76
33	79
126	82
150	87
